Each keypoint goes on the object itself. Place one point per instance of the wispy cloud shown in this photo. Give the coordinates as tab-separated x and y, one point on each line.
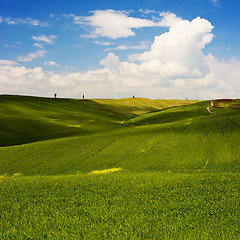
39	45
27	21
103	43
1	19
216	3
142	46
31	56
147	11
51	63
45	39
12	45
8	63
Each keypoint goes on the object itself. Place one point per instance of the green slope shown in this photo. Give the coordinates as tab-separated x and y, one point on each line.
178	139
179	165
28	119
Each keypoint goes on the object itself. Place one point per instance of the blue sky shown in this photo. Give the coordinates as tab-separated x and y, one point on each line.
115	49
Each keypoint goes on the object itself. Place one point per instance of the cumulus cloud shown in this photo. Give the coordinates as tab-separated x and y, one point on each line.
111	24
20	80
118	24
36	81
174	67
178	52
122	79
31	56
45	39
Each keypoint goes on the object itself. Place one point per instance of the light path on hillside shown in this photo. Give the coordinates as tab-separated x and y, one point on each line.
209	108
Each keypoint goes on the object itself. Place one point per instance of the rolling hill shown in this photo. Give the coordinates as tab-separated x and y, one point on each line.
119	169
25	119
89	135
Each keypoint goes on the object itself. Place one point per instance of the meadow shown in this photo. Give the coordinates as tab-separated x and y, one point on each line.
119	169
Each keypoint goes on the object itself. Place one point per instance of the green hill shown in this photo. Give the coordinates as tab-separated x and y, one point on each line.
26	119
119	169
179	139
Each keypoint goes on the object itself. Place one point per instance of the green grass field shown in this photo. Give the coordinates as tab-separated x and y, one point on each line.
119	169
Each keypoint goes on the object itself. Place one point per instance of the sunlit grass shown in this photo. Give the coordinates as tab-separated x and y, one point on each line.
104	171
121	206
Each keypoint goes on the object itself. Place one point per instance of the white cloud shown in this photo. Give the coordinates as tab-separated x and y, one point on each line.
147	11
123	79
112	24
27	21
174	67
45	39
39	45
103	43
1	19
216	3
12	45
179	51
8	63
111	62
51	63
31	56
168	19
142	46
20	80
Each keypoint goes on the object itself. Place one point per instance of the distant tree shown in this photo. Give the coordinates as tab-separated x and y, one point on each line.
133	96
83	96
55	95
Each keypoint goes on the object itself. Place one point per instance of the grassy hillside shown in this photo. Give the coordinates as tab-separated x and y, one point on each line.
179	139
26	119
119	169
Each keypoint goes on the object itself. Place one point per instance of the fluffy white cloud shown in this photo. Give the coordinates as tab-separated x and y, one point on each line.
168	19
112	24
20	80
111	62
174	67
35	81
122	79
118	24
178	52
45	39
31	56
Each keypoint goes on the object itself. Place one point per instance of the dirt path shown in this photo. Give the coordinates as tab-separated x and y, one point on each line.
209	108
